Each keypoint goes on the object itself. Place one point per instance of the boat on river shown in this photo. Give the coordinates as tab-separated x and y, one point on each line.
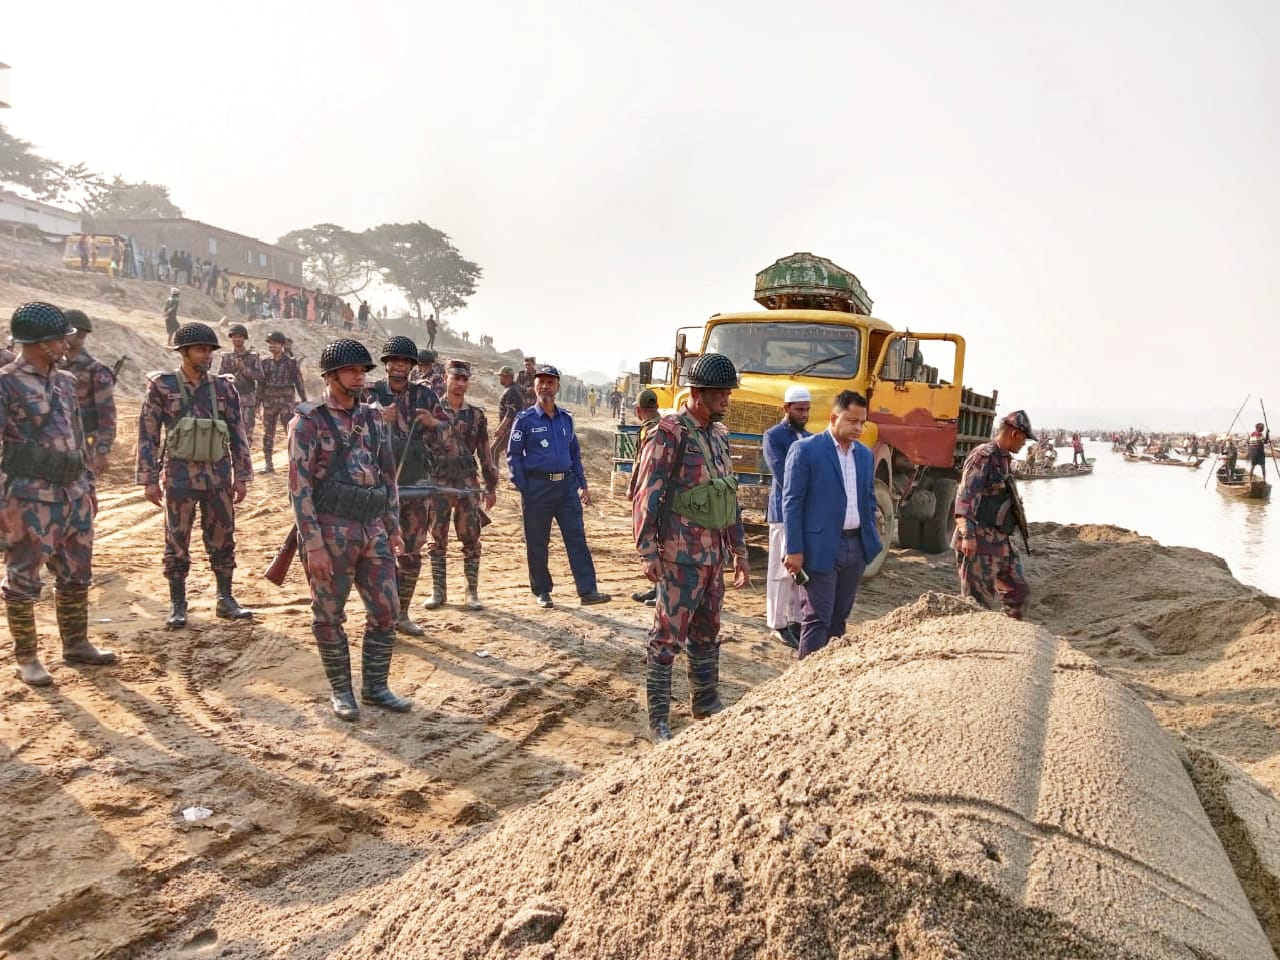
1241	486
1164	461
1022	472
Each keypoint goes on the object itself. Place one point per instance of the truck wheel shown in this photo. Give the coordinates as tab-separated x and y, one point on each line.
935	534
886	526
908	532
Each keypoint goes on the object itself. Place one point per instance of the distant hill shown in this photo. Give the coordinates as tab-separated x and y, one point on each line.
595	378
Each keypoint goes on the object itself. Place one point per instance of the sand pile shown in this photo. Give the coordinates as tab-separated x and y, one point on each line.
942	784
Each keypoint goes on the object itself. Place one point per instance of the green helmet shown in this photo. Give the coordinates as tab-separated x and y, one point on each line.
713	371
80	320
195	335
37	322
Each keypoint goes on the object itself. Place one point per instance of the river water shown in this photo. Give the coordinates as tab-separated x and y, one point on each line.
1168	504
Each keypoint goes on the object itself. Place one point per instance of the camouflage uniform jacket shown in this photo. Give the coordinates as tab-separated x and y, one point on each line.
40	410
510	403
7	356
367	462
986	474
96	394
280	378
455	449
524	380
245	367
661	533
162	407
414	397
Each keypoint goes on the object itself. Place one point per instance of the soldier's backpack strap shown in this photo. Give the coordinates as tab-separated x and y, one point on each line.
668	488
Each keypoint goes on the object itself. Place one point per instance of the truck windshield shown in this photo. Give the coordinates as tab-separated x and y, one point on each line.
820	349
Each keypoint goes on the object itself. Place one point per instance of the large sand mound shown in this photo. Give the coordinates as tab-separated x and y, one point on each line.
942	784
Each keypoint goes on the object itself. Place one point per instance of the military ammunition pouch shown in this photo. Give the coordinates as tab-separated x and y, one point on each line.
34	462
997	512
346	500
198	439
89	421
712	505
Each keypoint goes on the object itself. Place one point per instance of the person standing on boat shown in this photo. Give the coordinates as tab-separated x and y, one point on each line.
1229	454
1077	451
1259	440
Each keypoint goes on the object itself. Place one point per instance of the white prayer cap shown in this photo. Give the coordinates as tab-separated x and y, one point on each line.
796	395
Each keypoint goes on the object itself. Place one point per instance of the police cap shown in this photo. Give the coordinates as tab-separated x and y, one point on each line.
1019	421
546	370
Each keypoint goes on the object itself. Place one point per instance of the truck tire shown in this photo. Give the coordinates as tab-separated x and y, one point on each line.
935	534
908	533
886	525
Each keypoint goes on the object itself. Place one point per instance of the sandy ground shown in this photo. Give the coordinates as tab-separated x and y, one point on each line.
312	817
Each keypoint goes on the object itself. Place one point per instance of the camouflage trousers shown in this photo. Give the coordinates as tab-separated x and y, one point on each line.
57	535
248	415
995	581
361	558
500	437
465	514
687	611
217	523
274	411
415	520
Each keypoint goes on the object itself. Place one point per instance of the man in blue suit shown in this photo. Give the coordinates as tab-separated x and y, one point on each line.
829	511
781	595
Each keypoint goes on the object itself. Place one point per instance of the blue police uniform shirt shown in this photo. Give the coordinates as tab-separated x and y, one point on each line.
543	444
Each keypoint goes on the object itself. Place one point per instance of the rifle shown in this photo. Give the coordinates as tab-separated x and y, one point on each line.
116	368
279	567
1019	513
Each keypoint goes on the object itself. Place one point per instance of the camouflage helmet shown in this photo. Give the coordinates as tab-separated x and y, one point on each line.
1019	421
427	356
79	320
275	336
399	347
37	322
345	353
238	330
713	371
195	335
506	372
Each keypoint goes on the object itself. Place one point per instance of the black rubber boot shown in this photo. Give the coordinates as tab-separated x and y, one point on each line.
336	658
704	680
22	627
439	589
375	668
177	604
406	584
72	608
658	690
228	608
269	461
472	570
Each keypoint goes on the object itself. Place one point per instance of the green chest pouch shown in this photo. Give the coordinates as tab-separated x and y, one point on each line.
199	439
713	504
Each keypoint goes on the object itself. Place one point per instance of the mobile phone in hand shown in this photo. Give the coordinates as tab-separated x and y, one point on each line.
800	577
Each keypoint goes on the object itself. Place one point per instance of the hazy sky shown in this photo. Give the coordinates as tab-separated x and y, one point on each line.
1087	192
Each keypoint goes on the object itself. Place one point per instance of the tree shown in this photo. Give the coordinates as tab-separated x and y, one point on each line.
423	263
44	179
333	258
119	198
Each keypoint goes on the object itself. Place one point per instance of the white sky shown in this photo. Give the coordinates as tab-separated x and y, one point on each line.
1085	191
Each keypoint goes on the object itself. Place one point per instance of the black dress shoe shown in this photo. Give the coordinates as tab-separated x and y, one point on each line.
787	637
644	596
545	601
591	599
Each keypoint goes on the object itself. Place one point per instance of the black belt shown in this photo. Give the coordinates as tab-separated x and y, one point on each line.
848	534
551	476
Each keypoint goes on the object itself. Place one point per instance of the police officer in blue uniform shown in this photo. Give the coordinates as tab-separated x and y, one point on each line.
546	467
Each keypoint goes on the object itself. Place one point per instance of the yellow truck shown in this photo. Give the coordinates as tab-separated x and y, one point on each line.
817	331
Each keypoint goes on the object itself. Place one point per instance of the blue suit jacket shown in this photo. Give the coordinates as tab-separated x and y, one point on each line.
813	501
777	443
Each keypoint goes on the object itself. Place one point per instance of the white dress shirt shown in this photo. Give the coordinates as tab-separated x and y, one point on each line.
849	471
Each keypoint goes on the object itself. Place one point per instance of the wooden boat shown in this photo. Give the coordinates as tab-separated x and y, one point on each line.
1022	472
1241	486
1164	461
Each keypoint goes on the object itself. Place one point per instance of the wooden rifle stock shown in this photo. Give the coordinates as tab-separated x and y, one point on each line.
284	559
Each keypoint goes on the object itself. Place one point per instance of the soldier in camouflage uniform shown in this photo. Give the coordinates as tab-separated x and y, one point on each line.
509	405
464	439
410	413
685	559
95	393
989	569
281	376
246	367
524	380
50	502
343	490
183	486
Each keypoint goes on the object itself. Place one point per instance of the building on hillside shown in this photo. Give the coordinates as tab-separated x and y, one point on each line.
231	251
43	216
